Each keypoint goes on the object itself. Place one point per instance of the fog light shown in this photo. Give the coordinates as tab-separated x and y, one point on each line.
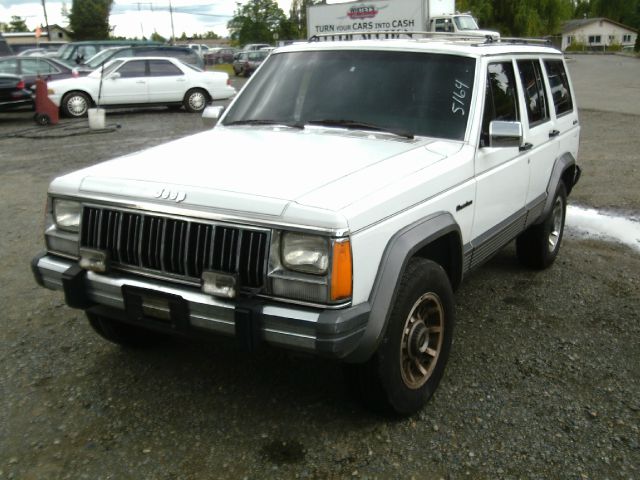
220	284
94	260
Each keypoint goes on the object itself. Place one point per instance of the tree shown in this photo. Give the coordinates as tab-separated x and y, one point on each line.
89	19
256	22
16	24
156	37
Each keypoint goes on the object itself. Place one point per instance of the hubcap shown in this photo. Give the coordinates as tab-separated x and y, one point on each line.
422	338
77	105
197	100
554	235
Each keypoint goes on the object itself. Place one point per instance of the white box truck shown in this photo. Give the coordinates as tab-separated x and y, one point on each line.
391	16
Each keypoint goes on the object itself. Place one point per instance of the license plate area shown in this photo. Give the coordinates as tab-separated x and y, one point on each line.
155	309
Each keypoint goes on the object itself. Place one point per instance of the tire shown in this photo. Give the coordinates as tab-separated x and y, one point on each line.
42	119
406	369
195	100
121	333
75	104
236	72
538	246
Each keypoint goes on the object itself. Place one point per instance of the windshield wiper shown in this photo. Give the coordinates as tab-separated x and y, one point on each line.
256	121
352	124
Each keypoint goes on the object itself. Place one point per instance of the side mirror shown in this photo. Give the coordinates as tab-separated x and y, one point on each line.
505	134
211	114
115	75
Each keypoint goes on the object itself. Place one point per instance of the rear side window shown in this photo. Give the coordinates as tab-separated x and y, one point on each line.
35	66
559	83
9	66
162	68
500	98
534	93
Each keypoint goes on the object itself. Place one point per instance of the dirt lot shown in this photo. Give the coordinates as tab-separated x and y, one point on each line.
543	381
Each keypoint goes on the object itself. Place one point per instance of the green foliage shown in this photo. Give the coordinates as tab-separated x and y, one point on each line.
636	48
576	47
257	21
614	47
89	19
17	24
156	37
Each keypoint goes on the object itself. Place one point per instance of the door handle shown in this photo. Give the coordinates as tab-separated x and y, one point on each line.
554	133
141	81
525	147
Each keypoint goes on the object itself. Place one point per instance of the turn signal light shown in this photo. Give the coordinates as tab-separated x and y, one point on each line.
341	271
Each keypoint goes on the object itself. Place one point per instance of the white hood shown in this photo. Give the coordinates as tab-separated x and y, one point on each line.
257	170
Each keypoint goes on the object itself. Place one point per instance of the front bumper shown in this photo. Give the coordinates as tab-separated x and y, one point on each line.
331	333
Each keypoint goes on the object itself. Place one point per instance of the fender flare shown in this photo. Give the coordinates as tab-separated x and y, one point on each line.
562	163
399	250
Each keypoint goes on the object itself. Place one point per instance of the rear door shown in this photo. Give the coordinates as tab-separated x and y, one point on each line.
540	132
167	83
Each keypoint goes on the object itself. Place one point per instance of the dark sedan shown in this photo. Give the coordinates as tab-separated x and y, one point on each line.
29	68
13	93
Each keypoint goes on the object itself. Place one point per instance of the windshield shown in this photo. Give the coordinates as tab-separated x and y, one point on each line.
99	58
417	93
465	22
65	51
108	68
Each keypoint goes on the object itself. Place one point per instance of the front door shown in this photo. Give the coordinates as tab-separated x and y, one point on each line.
502	173
129	87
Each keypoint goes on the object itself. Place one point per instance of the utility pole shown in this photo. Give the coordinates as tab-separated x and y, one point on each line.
173	33
46	20
142	3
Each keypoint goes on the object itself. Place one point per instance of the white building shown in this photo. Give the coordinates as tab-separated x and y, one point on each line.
597	34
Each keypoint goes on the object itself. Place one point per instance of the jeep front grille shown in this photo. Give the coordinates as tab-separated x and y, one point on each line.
175	247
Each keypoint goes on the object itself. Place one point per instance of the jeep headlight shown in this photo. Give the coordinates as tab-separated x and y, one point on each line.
310	268
305	253
66	214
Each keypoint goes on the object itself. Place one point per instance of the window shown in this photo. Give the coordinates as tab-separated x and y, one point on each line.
136	68
163	68
433	98
626	38
534	92
500	102
9	66
35	66
560	91
595	39
444	25
569	39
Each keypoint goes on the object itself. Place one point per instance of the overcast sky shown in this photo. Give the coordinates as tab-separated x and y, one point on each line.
135	18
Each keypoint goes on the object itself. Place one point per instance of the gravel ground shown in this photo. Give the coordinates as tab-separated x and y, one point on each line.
543	380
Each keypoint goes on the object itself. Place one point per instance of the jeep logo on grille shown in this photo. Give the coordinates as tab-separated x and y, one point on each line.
167	194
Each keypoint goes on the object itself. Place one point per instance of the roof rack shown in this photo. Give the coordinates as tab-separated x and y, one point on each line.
385	35
474	39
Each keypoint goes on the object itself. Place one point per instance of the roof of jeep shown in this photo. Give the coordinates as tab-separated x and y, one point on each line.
474	48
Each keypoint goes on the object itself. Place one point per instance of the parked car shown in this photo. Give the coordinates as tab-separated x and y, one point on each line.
361	183
219	55
78	52
30	68
247	62
249	47
182	53
200	48
33	52
13	92
130	82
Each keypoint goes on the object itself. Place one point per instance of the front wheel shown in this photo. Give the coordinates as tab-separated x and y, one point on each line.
195	100
75	104
538	246
406	370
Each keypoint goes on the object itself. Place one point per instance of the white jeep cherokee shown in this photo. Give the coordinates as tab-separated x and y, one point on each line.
334	208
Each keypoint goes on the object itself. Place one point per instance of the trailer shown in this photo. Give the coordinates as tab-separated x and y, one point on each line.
364	17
